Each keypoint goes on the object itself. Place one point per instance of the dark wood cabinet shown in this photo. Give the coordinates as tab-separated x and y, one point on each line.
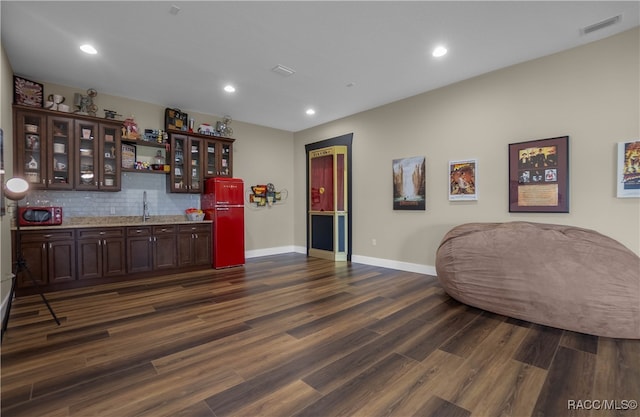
76	257
43	149
194	245
49	256
186	164
151	248
101	252
164	247
196	157
61	151
219	158
139	249
97	155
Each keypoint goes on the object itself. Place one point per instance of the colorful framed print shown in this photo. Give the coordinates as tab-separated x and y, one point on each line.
628	172
539	176
409	183
463	180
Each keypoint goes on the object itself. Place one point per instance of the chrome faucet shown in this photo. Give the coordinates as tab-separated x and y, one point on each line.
145	208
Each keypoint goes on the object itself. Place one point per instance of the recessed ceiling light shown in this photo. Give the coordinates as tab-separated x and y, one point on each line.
88	49
229	88
310	112
439	51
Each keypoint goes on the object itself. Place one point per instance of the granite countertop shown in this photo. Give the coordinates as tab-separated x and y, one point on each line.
116	221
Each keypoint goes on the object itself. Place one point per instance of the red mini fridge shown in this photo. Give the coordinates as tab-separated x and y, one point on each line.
223	202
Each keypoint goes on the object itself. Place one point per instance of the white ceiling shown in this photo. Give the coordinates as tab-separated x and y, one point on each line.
383	48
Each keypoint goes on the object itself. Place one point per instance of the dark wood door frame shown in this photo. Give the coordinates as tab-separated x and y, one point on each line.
344	140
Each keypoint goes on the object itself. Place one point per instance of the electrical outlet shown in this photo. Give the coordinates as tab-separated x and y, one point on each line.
374	242
112	210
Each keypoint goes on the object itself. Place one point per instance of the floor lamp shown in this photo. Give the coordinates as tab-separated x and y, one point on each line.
16	189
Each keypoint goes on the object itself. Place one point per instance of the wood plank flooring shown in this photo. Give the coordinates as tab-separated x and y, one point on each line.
288	335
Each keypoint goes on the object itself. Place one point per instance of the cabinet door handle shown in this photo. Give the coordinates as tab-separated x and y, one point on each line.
47	236
196	235
99	242
50	245
102	233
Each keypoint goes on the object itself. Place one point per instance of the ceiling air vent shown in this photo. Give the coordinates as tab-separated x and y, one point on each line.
282	70
601	25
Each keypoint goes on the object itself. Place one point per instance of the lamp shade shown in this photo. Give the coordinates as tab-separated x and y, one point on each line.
16	188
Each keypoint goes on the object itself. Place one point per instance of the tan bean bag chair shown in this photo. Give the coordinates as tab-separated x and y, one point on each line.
559	276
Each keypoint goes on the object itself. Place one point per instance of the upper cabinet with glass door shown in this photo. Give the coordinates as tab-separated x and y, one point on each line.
54	150
219	160
186	170
109	160
87	155
43	149
60	163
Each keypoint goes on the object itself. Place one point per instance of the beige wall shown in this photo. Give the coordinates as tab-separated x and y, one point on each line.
590	93
6	98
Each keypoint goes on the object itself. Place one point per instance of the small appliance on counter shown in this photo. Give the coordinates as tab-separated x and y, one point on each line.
223	202
40	216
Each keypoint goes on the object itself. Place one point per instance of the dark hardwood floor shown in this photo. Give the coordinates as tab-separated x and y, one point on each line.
288	335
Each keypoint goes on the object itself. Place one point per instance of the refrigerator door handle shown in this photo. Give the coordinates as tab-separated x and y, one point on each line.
222	209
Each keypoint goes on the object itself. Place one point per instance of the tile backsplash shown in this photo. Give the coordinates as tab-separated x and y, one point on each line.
127	202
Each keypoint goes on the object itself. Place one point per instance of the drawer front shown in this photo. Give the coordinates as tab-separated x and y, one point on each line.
138	231
100	233
195	228
166	229
41	235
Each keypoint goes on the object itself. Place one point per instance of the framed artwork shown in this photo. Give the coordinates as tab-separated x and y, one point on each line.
175	119
27	92
129	156
463	180
628	172
409	183
539	176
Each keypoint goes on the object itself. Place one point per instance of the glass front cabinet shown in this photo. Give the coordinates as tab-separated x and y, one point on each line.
54	151
44	150
219	158
97	156
186	164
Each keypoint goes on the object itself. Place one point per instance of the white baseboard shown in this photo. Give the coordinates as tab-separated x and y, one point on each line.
5	300
269	251
391	264
367	260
